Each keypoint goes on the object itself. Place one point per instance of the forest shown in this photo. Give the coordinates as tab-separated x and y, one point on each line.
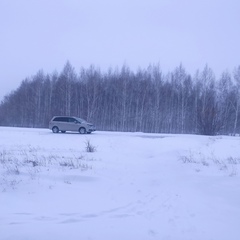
146	100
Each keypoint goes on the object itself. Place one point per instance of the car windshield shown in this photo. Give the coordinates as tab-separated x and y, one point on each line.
80	120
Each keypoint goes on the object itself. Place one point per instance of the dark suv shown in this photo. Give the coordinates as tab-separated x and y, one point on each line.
65	123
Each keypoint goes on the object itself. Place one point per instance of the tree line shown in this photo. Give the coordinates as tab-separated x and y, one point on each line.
122	100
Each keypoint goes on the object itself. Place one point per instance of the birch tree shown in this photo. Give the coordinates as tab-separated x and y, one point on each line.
237	102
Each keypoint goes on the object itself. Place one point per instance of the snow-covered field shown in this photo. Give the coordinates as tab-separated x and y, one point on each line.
132	186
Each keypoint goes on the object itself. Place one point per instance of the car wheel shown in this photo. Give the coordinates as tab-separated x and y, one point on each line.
55	129
63	131
82	130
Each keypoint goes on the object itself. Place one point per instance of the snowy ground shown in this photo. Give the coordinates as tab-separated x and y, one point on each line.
133	186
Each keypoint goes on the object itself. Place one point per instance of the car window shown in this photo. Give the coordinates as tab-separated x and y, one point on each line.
60	119
81	120
57	119
71	120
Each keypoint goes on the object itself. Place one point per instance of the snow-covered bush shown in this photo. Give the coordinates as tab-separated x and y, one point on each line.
90	147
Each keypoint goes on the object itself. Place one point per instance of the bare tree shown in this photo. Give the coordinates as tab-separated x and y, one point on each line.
122	100
237	101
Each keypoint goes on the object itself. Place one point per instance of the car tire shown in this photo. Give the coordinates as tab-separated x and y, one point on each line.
55	129
82	130
63	131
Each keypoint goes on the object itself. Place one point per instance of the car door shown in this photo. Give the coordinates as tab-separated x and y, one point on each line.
63	124
72	124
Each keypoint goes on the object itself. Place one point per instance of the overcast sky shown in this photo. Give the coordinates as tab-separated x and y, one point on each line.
44	34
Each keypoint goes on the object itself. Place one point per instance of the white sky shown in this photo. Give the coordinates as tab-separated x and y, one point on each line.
44	34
